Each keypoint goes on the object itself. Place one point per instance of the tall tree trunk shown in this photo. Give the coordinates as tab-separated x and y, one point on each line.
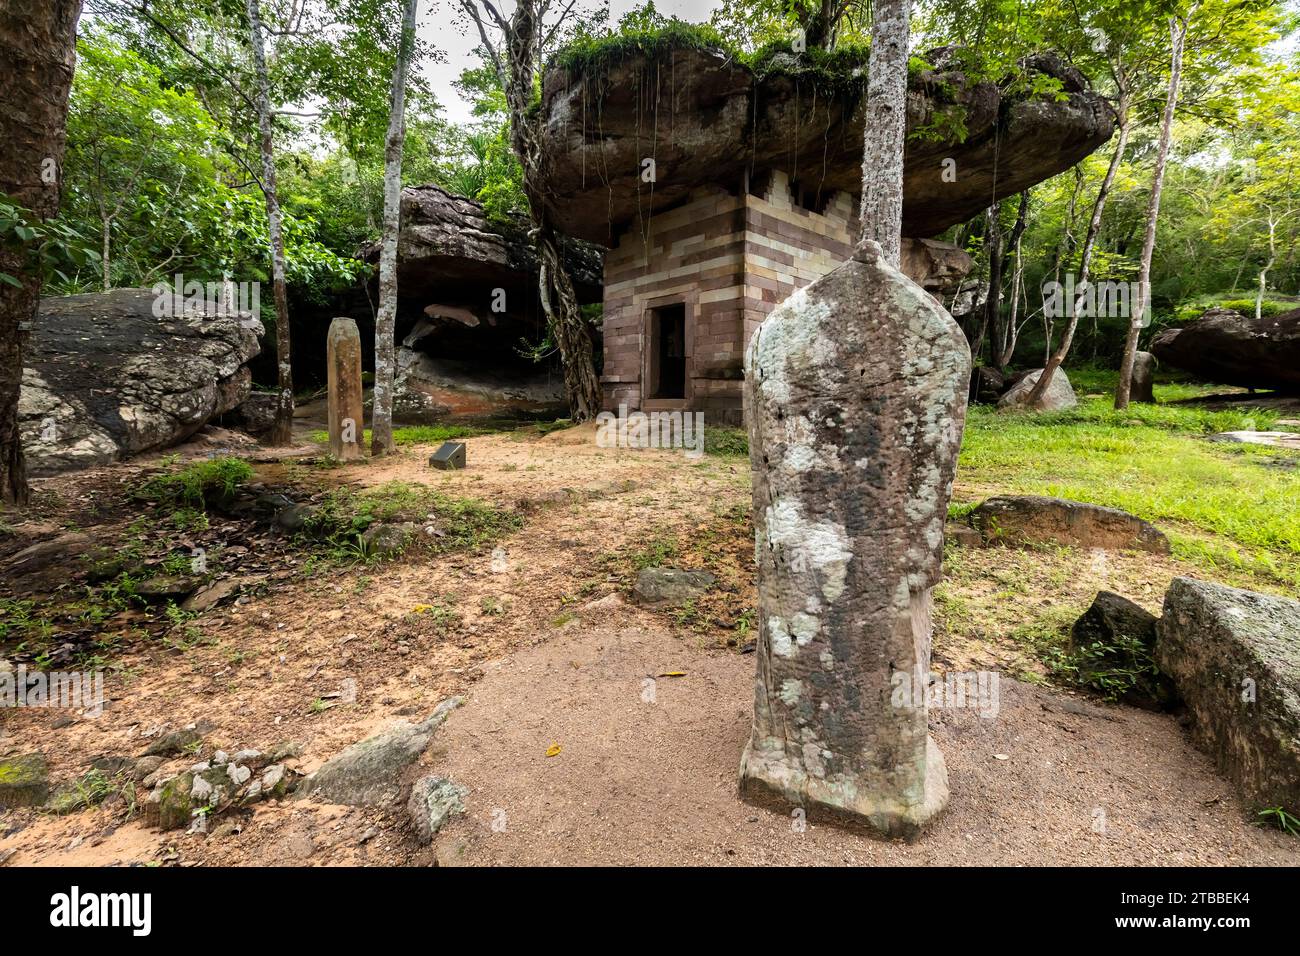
991	324
381	442
1263	273
559	301
1177	36
886	120
1003	358
1036	394
37	53
822	27
105	259
282	430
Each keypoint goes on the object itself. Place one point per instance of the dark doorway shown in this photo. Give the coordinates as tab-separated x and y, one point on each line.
668	351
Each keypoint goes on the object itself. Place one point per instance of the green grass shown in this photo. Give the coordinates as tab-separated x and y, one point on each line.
461	523
726	442
189	487
1222	505
416	434
1152	461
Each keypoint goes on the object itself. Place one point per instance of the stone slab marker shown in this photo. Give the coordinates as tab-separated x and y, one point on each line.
1144	370
346	417
856	395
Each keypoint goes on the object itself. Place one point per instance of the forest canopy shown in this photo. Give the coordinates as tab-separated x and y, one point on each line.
160	163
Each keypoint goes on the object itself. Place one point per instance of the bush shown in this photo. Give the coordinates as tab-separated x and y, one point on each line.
192	485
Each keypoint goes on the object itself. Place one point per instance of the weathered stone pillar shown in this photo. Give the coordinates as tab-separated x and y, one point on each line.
856	390
346	417
1144	369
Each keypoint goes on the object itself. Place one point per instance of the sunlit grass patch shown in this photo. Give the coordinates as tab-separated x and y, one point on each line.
1157	465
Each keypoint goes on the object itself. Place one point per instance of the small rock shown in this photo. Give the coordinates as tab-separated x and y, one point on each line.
144	767
604	605
1117	635
434	800
670	586
295	517
174	743
165	587
388	540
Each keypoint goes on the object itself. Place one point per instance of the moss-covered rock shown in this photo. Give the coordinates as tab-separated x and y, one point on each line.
170	805
24	781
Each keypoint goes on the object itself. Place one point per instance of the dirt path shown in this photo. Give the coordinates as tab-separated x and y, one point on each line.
635	782
655	783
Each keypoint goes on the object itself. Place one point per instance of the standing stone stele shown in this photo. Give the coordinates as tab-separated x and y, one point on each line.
1144	370
346	417
856	394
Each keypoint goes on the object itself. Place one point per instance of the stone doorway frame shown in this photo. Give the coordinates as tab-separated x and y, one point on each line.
688	300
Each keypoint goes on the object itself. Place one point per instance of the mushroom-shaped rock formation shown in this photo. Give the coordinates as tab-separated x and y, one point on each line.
468	294
631	136
722	188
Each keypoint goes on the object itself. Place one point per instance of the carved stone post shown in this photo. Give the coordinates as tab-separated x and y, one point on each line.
856	390
346	417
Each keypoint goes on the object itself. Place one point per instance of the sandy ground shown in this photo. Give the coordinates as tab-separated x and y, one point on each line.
635	782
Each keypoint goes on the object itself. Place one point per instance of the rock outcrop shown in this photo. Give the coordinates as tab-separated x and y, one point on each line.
468	295
1228	348
1019	520
106	379
1235	657
368	774
705	118
451	253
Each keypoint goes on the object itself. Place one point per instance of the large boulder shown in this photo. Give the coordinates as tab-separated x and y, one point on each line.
105	378
1019	520
1235	657
1058	397
1226	347
706	118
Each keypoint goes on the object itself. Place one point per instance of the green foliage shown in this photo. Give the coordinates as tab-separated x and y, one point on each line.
1279	818
726	442
1193	310
459	523
642	32
54	247
1115	669
191	485
419	434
